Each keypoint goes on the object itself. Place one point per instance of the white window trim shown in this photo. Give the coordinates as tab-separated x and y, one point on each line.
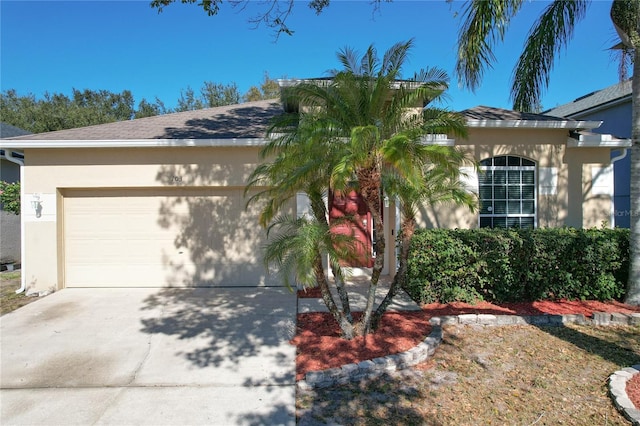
482	169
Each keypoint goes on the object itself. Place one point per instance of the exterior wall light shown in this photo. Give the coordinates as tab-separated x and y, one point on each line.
36	204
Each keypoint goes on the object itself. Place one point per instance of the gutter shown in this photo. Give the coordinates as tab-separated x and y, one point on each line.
39	143
618	157
8	155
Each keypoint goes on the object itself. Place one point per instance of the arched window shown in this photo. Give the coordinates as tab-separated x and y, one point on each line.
507	186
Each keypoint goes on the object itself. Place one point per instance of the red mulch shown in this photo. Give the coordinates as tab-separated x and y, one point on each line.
319	345
633	390
310	293
558	307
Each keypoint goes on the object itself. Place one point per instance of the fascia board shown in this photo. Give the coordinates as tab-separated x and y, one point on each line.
437	139
534	124
132	143
599	143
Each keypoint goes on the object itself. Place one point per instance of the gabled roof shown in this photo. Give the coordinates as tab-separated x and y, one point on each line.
243	121
484	116
609	96
244	125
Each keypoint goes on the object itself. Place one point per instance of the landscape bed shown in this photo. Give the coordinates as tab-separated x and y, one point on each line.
319	345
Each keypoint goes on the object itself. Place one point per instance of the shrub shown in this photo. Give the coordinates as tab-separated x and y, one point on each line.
10	196
517	265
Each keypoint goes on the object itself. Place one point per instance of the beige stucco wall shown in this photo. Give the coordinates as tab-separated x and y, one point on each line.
570	203
49	169
51	173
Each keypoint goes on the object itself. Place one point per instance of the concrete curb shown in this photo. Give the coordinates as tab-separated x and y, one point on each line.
618	391
376	367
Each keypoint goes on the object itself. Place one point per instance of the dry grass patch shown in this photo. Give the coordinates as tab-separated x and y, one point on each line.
9	300
515	375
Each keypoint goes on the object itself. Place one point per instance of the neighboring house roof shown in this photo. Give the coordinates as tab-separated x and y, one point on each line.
484	116
9	131
247	120
604	98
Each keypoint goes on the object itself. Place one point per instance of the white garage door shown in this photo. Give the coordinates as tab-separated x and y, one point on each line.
162	238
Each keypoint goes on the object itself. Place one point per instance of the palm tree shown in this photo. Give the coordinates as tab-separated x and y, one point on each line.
301	149
485	23
357	128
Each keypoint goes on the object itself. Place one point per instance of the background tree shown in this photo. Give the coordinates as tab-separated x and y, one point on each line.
269	89
211	95
188	101
147	109
104	106
58	111
486	22
216	94
363	125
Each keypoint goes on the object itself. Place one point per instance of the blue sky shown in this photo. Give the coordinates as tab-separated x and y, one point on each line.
55	46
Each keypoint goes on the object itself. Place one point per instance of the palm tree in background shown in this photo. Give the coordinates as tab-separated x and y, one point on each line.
361	130
485	23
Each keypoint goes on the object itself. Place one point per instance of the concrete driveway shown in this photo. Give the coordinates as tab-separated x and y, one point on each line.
216	356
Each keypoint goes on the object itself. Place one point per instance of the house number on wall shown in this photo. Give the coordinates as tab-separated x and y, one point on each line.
177	179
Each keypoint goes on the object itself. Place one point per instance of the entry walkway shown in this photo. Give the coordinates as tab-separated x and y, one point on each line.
358	288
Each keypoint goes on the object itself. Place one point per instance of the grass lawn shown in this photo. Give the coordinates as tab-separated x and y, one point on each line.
512	375
9	300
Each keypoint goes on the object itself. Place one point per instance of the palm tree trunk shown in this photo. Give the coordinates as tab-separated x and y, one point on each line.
317	206
633	285
364	325
344	298
346	326
408	229
343	317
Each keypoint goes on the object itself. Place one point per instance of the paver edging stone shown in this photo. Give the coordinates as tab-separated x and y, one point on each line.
376	367
618	391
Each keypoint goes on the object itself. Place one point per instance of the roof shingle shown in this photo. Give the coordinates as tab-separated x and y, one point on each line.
247	120
482	112
601	97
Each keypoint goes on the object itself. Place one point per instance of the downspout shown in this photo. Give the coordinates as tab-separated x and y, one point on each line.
618	157
23	280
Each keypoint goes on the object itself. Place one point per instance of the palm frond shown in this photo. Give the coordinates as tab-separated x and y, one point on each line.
395	57
485	23
549	35
348	57
442	121
368	63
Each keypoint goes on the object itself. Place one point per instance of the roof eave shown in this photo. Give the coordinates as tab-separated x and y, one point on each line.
534	124
438	139
596	140
614	143
132	143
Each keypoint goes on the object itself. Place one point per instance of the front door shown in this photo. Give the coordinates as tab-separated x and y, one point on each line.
359	225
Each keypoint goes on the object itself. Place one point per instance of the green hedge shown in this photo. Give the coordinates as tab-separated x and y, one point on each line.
517	265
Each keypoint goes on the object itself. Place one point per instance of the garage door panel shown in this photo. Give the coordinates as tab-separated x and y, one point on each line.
144	239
